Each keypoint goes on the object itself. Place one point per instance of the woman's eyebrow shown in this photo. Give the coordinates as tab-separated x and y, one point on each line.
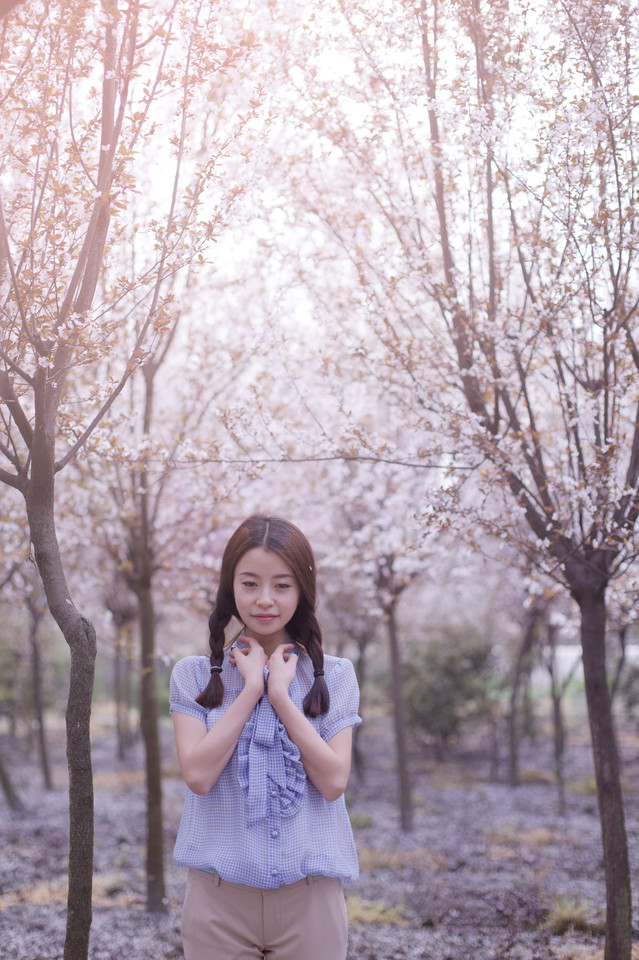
276	576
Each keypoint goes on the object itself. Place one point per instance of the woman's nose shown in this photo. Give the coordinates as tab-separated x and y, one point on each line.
265	598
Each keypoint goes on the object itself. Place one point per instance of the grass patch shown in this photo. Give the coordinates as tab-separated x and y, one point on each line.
504	836
114	780
360	820
572	916
370	911
449	777
536	776
37	894
585	785
108	890
372	859
113	890
538	837
509	836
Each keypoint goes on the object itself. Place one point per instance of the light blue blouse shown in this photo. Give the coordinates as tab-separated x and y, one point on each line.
264	823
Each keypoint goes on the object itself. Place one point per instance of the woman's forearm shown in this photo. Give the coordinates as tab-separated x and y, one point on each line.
327	763
203	754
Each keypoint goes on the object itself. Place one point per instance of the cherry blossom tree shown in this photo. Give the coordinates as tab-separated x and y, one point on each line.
87	90
471	171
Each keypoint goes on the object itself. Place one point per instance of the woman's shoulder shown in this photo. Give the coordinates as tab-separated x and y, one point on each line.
338	668
337	663
191	668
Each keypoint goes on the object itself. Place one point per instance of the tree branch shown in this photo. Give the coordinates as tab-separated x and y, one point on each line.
18	415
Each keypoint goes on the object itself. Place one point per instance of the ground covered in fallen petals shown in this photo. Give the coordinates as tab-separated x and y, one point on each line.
487	872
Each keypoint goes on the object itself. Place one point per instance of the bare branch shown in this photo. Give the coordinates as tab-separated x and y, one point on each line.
15	409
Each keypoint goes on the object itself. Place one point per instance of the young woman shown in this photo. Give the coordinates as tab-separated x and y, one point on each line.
264	734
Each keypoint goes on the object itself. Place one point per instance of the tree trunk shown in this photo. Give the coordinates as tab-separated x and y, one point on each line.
80	636
360	671
592	604
82	644
156	896
559	732
140	580
522	667
622	634
123	607
122	691
117	696
405	801
8	789
36	681
558	687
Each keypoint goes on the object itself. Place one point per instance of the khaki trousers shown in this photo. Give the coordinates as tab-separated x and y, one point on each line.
230	921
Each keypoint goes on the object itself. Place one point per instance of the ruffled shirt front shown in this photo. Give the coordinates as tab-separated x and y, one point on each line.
264	823
268	763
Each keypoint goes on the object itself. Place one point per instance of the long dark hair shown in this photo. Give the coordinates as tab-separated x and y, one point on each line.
283	538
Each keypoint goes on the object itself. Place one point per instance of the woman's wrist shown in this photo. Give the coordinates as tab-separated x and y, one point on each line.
253	689
279	697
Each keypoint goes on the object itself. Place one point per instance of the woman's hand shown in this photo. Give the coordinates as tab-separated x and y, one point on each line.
250	660
282	665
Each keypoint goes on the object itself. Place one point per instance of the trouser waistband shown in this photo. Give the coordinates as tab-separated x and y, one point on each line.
214	876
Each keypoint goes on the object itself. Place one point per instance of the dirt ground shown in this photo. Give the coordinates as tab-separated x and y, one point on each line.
487	873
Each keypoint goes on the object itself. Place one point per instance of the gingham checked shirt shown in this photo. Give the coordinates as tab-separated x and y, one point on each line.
264	823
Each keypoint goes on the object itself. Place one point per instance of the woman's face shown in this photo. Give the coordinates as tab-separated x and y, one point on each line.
266	596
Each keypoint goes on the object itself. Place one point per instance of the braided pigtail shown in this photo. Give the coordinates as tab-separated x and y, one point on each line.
317	700
213	693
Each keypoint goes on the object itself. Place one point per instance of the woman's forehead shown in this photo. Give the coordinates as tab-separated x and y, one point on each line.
263	563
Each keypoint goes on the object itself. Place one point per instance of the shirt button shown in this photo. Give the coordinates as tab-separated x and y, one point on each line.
275	833
273	873
273	793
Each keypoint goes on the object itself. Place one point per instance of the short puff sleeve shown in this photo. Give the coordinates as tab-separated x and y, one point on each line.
188	678
343	690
